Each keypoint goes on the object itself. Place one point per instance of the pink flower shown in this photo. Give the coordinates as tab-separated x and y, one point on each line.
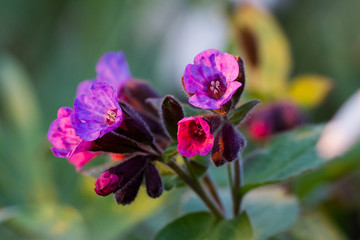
65	140
106	183
194	137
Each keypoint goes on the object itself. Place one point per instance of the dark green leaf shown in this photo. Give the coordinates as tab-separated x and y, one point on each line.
238	115
288	155
171	181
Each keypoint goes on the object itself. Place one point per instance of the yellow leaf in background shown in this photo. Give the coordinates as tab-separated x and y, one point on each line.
309	90
265	50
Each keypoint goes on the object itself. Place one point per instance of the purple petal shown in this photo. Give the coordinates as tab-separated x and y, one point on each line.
228	66
203	101
197	78
92	111
225	63
207	57
62	134
84	87
231	89
113	69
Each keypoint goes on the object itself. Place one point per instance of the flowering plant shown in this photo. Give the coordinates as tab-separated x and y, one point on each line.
117	115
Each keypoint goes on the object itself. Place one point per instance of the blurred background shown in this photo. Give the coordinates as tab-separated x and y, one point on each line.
291	49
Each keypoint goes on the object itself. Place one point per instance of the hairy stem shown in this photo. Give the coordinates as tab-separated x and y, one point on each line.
231	184
212	189
197	189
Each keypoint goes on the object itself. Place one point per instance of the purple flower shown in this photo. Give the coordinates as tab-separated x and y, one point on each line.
211	79
97	113
113	69
65	140
194	137
106	183
84	87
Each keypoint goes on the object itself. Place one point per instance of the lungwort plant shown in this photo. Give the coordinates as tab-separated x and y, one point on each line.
162	143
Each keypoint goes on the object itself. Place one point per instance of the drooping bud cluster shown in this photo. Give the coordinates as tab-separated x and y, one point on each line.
125	118
272	119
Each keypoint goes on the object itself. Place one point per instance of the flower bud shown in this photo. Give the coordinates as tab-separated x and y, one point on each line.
106	183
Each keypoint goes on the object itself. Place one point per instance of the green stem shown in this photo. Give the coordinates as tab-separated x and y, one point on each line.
212	189
191	172
238	174
197	189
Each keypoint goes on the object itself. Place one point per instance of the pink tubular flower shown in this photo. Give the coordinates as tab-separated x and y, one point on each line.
194	137
106	183
65	140
211	79
97	113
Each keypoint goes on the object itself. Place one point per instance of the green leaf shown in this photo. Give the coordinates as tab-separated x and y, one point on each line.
238	115
316	225
271	211
191	226
238	228
170	152
199	164
202	225
331	171
288	155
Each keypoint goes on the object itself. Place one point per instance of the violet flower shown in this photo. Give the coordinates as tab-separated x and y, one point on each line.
97	113
194	137
211	79
65	140
113	69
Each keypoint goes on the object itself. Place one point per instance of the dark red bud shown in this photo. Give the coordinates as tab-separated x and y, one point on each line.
154	186
227	145
172	113
106	183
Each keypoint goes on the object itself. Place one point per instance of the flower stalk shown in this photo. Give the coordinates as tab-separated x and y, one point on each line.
197	189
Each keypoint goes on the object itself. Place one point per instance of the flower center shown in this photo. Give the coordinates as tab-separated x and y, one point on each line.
196	131
111	117
216	88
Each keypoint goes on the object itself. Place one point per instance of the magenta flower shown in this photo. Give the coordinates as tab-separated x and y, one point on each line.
106	183
113	69
194	137
211	79
65	140
97	113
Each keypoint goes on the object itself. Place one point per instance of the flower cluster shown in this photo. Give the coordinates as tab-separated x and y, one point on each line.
118	115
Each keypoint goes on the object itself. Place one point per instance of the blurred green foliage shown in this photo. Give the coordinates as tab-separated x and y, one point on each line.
48	47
